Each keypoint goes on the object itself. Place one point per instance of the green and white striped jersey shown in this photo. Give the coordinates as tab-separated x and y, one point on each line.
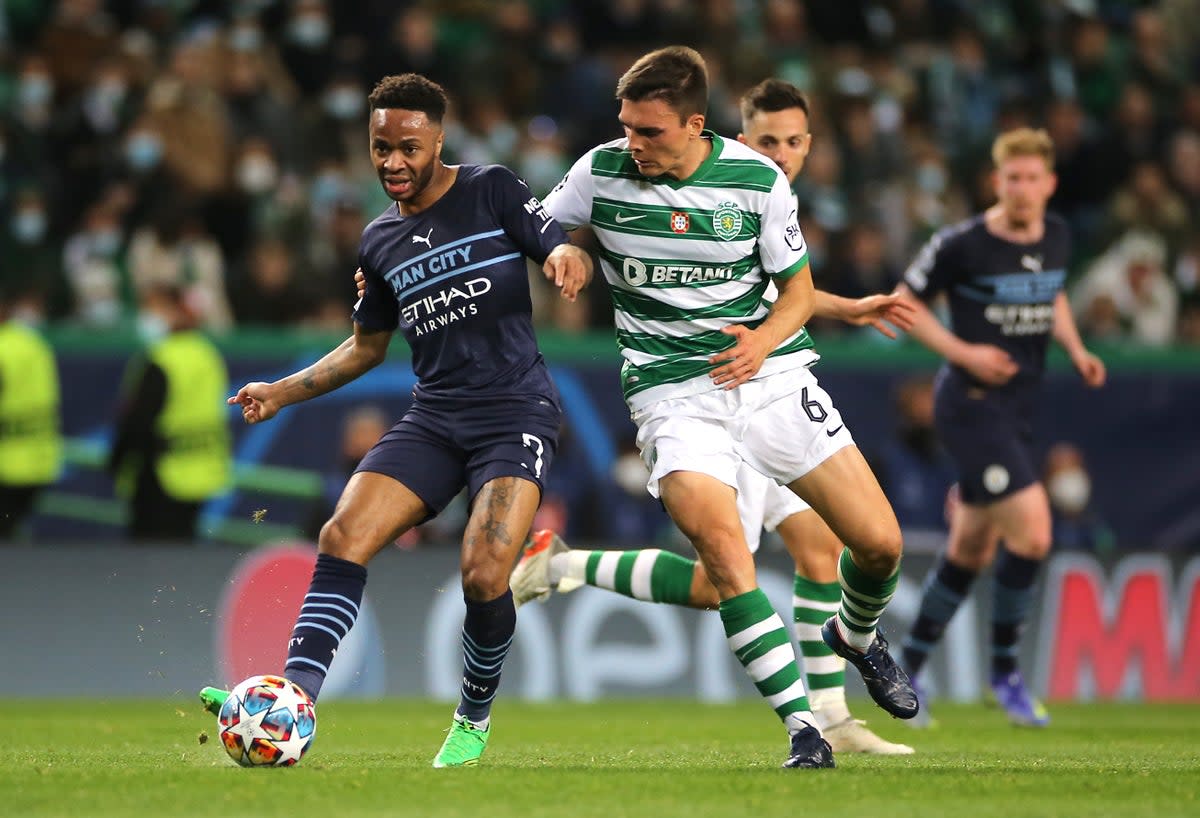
684	259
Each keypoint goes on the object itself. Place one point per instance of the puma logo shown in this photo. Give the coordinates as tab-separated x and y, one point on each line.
418	239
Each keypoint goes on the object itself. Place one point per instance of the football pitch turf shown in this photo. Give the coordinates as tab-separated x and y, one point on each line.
611	759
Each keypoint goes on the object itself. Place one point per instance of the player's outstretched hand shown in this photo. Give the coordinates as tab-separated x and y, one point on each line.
989	364
876	309
570	268
360	281
1091	369
257	402
743	359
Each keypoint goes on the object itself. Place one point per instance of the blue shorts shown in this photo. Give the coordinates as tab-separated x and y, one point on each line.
989	436
436	451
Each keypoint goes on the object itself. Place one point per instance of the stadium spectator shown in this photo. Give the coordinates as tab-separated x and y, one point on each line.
1077	526
1131	276
362	427
174	248
31	261
93	267
912	466
271	290
1147	203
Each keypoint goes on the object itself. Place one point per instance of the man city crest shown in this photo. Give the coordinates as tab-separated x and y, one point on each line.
727	221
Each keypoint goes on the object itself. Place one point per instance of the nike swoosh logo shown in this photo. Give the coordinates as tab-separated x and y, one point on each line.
619	219
832	432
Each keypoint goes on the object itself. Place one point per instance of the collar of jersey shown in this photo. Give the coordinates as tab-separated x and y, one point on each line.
675	184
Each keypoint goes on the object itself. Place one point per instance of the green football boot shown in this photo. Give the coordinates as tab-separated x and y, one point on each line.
464	744
212	698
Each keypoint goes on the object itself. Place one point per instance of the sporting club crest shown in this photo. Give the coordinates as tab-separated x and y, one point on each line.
680	222
727	221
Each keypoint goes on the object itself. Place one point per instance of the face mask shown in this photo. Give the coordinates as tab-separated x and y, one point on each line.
541	169
629	472
152	328
309	30
108	94
105	243
344	103
35	91
503	139
325	190
28	316
1070	490
931	178
143	151
257	174
28	226
245	38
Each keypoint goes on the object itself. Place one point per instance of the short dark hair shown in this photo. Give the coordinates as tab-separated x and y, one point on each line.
772	95
410	92
675	74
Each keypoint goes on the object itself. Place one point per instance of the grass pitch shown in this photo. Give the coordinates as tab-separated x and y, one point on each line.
609	759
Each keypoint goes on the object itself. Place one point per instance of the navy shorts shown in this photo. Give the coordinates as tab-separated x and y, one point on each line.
989	436
437	451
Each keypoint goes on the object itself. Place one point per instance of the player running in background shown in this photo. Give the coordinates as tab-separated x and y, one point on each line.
446	265
1002	273
775	122
692	228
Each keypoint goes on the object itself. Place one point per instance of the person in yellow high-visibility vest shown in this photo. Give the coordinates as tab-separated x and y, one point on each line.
171	449
30	441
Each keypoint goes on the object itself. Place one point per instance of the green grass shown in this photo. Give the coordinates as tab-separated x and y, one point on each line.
610	759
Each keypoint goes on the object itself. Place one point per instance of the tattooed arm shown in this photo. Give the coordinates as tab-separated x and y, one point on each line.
362	351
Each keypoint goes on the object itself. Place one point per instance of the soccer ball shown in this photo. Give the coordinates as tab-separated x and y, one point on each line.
267	721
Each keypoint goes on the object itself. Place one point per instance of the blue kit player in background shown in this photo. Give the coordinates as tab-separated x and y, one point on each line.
446	266
1002	273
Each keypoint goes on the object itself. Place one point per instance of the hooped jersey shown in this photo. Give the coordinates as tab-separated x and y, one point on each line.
683	259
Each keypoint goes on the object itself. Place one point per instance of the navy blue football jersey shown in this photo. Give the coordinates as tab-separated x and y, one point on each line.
453	279
999	292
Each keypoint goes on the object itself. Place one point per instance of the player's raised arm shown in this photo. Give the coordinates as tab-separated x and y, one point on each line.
360	352
873	310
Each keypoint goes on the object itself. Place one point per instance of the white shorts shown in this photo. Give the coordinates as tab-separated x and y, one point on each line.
763	503
781	426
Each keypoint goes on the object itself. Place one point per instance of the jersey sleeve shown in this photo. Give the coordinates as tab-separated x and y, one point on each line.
523	217
570	203
781	244
931	270
378	308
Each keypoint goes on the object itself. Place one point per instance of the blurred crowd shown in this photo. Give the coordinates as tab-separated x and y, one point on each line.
221	146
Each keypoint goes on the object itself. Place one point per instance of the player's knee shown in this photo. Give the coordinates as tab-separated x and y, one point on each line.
728	564
335	540
879	552
482	582
1035	545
